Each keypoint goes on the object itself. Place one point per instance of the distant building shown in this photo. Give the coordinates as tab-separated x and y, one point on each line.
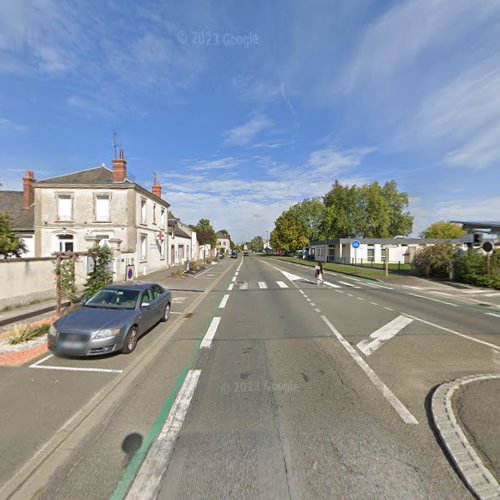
183	244
373	250
223	242
482	231
20	207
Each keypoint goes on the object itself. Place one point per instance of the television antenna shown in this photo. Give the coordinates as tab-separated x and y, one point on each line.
115	144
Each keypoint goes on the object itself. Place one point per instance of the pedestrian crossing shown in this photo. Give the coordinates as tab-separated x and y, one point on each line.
282	285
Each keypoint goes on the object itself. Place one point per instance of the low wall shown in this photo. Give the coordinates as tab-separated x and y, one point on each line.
23	281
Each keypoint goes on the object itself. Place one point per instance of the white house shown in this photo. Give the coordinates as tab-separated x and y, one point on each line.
182	242
100	204
373	250
223	242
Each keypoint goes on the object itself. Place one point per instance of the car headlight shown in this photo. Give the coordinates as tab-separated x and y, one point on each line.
53	330
106	333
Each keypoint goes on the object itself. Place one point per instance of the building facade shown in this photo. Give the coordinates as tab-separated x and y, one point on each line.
73	211
223	242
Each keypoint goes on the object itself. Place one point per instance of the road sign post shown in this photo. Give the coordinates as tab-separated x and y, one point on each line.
488	248
387	261
355	244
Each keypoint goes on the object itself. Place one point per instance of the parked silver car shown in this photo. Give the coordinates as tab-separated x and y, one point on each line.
112	320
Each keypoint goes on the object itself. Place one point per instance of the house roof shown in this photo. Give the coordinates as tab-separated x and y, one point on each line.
98	176
178	231
11	202
222	236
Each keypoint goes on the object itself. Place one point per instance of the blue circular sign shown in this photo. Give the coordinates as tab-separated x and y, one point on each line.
355	244
130	273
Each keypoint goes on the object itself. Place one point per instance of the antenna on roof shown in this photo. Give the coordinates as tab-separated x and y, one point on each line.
155	178
115	144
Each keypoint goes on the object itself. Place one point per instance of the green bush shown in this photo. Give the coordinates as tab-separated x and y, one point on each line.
469	266
435	261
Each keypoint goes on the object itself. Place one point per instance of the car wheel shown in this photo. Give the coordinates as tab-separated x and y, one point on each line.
131	340
166	313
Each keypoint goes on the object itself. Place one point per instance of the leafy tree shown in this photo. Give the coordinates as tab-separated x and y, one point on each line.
368	211
289	234
469	266
435	261
10	243
257	244
205	233
310	212
443	229
101	275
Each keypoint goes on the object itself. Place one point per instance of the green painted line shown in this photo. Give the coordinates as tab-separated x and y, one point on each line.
133	467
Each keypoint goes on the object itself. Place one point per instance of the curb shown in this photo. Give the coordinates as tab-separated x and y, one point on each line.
476	476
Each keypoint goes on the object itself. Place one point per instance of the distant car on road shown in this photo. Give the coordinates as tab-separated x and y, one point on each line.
234	255
246	253
111	321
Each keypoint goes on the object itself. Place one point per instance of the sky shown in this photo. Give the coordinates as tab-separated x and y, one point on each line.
246	107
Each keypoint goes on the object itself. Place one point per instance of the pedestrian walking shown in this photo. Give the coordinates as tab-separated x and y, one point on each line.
318	273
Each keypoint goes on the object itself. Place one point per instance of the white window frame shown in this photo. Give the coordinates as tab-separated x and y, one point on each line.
143	248
154	214
162	217
144	211
96	214
63	240
61	217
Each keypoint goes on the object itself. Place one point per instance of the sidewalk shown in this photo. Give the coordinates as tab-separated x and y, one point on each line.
477	409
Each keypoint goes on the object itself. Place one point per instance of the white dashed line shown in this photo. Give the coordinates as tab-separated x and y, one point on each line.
230	287
388	308
374	303
223	302
207	339
434	300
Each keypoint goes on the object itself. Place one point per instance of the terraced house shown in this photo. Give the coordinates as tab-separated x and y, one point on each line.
100	204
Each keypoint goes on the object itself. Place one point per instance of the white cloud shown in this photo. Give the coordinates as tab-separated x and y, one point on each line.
9	124
483	208
221	164
245	134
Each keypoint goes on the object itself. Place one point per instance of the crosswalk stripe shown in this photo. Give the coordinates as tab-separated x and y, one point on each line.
333	285
281	284
349	284
262	284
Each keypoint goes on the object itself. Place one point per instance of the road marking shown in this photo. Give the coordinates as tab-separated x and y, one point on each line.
223	302
349	284
468	337
383	334
380	286
198	275
388	308
374	303
34	365
339	291
175	312
244	285
350	295
302	292
147	482
308	300
317	310
207	339
493	314
313	304
403	412
333	285
262	284
281	284
359	298
234	278
434	300
178	300
230	287
72	368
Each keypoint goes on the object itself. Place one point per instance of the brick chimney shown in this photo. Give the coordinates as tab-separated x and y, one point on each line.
28	190
157	188
119	168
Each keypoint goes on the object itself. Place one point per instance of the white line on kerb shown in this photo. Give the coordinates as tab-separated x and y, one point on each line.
468	337
207	339
230	287
223	302
383	334
434	300
403	412
147	482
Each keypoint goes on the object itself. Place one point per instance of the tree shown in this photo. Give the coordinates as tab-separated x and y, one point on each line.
10	243
367	211
289	234
205	233
443	229
310	212
257	244
435	261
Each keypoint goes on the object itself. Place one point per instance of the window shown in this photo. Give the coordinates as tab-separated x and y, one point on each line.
162	218
144	212
65	242
64	207
147	297
157	291
144	246
371	253
102	208
162	249
154	213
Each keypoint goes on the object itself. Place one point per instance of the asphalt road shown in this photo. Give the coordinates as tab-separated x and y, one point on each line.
272	387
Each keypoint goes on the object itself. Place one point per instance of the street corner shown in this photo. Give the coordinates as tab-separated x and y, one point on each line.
466	414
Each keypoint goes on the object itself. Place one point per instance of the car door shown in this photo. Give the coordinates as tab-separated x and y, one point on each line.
147	315
158	303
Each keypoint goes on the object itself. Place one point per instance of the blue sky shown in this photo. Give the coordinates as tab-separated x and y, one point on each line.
246	107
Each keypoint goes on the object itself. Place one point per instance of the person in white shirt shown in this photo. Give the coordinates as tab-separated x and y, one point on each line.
318	273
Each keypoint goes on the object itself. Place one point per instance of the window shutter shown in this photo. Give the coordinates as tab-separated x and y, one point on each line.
64	207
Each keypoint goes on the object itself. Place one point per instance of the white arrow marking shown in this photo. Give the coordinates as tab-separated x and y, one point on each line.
383	334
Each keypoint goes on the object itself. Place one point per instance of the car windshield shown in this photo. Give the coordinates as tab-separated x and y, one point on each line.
114	299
